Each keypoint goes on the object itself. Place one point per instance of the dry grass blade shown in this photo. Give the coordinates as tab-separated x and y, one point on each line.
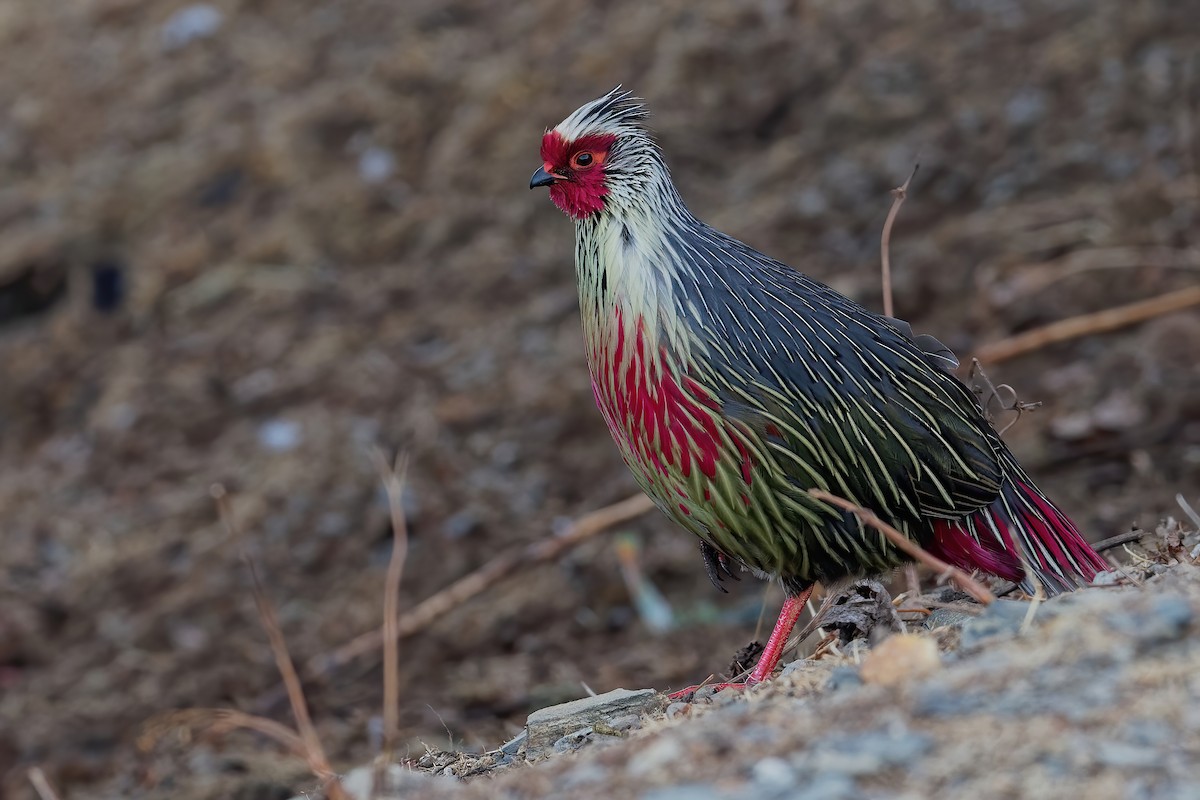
40	784
909	547
392	476
1039	277
1100	322
899	195
314	754
457	593
220	721
1187	509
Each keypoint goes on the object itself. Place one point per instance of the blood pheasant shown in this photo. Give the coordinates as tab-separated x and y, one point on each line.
733	384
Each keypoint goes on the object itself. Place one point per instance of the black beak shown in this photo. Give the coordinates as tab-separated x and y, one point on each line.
541	178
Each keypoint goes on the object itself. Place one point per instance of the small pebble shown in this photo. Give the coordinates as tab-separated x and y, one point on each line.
827	786
687	791
841	678
461	524
1026	108
376	165
627	722
1126	756
656	756
773	774
573	740
938	701
197	21
1166	620
948	618
868	753
900	658
583	775
676	710
513	745
1107	577
279	435
359	781
1002	618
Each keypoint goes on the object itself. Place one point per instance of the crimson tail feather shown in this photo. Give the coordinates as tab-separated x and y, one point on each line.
1022	528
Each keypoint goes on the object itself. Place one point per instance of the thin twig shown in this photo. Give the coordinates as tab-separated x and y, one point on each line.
40	784
313	752
1118	540
899	194
909	547
1099	322
392	476
1004	396
438	605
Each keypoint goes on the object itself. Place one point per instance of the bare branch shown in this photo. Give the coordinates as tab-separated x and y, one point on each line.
1099	322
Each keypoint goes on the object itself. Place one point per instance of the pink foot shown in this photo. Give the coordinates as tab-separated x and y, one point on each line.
687	694
769	659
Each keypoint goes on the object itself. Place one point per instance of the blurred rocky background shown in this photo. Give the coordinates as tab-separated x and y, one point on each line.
244	241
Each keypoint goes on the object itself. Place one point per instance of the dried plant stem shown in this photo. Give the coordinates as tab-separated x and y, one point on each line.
1118	540
438	605
314	754
392	476
909	547
221	721
40	784
899	194
1099	322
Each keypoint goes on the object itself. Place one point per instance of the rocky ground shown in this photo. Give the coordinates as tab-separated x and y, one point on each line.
244	241
1091	694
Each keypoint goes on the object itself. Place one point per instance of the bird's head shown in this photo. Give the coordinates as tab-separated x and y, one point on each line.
598	155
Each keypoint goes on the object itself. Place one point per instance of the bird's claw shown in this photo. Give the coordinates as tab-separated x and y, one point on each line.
716	565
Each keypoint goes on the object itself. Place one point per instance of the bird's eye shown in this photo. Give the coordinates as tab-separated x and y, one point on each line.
583	159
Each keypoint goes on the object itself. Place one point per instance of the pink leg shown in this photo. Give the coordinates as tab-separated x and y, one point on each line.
792	607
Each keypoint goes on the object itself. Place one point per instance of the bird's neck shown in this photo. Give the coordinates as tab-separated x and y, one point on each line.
627	260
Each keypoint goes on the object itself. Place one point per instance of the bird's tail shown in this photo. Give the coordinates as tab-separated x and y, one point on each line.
1022	530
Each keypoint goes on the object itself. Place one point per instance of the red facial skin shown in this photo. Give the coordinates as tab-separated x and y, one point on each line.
579	189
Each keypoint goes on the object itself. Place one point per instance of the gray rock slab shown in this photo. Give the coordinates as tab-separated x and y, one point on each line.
546	726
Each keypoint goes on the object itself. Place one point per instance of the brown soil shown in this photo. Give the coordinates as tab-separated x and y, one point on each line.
283	314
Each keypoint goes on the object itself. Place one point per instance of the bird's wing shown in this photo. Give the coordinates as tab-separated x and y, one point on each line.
841	398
